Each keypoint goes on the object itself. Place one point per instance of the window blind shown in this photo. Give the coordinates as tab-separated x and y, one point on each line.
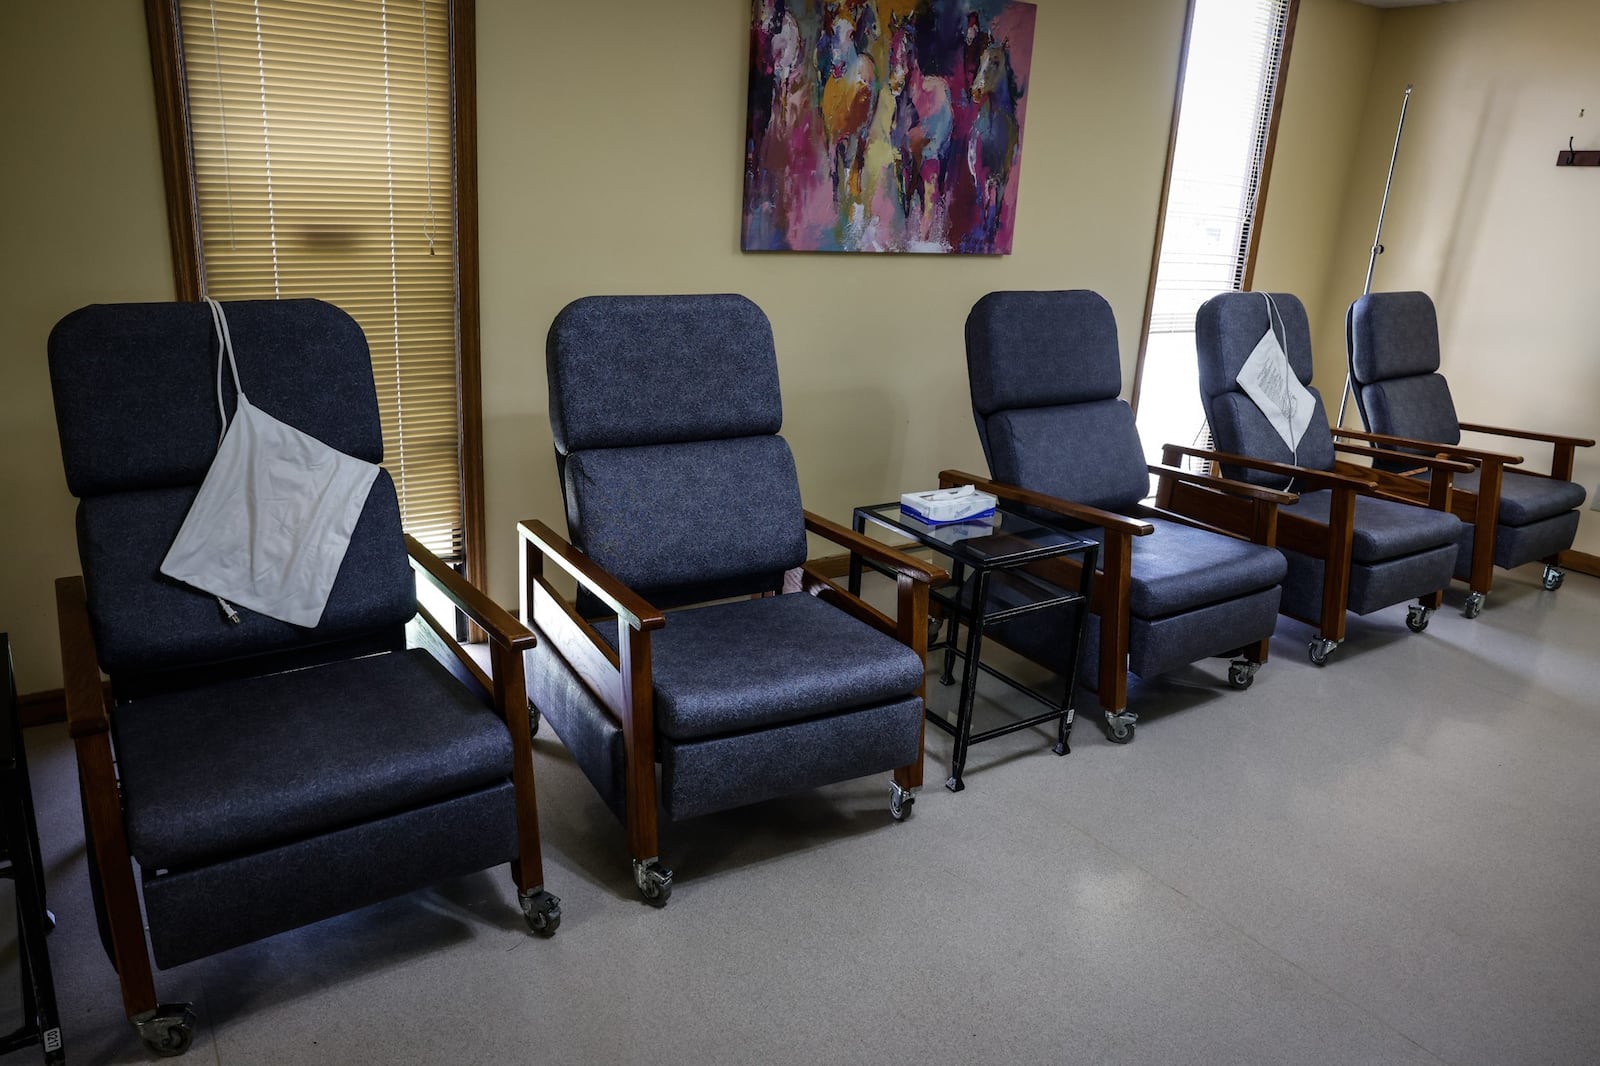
322	163
1235	52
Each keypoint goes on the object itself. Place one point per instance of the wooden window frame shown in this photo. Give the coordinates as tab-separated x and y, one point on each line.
1290	19
177	165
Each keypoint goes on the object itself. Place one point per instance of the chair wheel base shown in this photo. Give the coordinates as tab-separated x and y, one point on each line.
901	801
1417	617
1553	577
1319	650
167	1031
1242	673
1473	607
1119	727
542	911
654	881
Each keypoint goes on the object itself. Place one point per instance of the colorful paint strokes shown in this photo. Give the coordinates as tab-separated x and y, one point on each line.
885	125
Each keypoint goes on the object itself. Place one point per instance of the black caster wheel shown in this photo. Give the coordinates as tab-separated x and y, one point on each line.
1417	617
534	718
1119	730
1242	674
1320	649
542	911
900	802
654	881
1474	605
167	1031
1553	577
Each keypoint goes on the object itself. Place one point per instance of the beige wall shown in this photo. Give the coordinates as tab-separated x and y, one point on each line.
1330	66
1482	219
610	157
85	223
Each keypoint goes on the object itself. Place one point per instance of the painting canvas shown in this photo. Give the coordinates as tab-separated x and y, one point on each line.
885	125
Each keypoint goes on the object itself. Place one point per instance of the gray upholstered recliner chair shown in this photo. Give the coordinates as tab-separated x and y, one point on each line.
1510	517
1045	376
1355	539
665	412
264	776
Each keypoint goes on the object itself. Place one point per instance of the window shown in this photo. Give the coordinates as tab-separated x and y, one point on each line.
316	149
1231	87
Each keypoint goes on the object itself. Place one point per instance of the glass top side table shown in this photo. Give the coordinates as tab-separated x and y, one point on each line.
987	586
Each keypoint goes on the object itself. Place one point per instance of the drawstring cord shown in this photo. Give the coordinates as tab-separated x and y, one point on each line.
219	322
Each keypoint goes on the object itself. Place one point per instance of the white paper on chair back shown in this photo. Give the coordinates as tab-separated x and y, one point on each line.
1269	381
274	515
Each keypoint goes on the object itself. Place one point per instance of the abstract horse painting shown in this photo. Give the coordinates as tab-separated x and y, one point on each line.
885	125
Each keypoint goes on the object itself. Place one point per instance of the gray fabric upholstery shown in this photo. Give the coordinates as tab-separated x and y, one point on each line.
145	621
1526	498
256	763
1384	529
591	736
1088	453
1227	329
1041	349
135	386
718	773
1417	407
1373	586
665	518
748	664
201	911
631	370
1179	568
1515	545
1393	335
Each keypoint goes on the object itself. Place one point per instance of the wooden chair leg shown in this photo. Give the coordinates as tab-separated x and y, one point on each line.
541	909
639	753
912	624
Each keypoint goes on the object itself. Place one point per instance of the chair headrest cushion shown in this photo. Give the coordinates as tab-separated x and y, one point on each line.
1393	335
1041	349
1229	326
626	371
135	386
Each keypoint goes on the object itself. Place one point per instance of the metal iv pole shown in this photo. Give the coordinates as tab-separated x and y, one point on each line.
1377	244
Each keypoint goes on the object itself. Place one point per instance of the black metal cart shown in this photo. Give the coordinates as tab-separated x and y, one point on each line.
989	585
19	861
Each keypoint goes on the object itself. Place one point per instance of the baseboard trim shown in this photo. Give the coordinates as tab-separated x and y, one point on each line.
1582	562
831	566
42	708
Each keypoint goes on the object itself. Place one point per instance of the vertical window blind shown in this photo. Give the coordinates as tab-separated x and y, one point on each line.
322	167
1235	50
1235	58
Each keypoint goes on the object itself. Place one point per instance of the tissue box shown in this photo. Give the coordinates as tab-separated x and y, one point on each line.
942	506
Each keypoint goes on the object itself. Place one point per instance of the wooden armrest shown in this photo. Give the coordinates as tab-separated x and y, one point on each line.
1432	462
87	713
629	605
1080	512
499	623
1222	484
1528	434
859	543
1453	451
1325	479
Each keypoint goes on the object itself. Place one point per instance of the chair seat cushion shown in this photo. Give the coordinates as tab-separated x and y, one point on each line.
226	770
1179	568
748	664
1526	498
1384	529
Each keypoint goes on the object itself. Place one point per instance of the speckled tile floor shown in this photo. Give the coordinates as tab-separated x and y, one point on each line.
1392	859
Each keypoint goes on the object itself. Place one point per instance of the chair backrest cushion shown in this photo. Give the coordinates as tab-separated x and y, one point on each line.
1044	375
1227	329
1394	366
135	396
135	386
665	412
